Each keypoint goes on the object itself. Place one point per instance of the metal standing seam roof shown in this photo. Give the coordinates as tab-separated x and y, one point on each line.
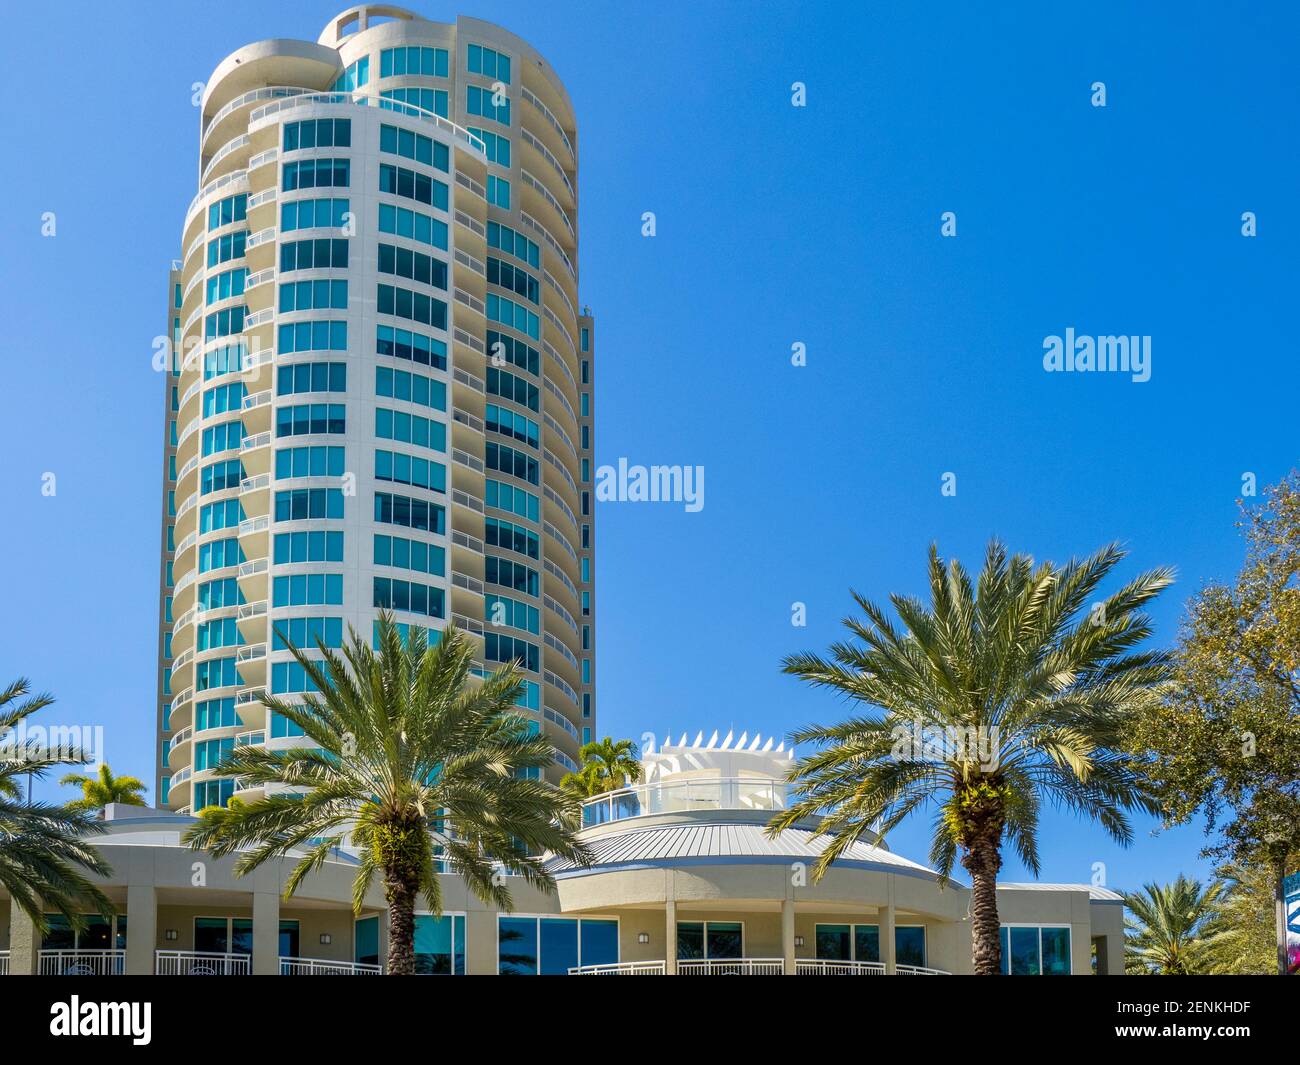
1095	894
692	841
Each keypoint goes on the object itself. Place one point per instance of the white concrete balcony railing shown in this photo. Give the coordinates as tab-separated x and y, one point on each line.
732	967
683	796
200	963
621	968
320	967
821	967
81	963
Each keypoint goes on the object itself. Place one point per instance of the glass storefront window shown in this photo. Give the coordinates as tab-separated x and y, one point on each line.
710	939
1033	950
551	946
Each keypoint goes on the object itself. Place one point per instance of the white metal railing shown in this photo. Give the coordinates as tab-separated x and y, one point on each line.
463	137
472	342
821	967
184	736
464	458
472	224
920	970
252	96
732	967
4	963
470	380
675	796
256	738
232	145
472	302
200	963
546	154
549	197
549	116
320	967
253	695
81	962
470	543
621	968
545	233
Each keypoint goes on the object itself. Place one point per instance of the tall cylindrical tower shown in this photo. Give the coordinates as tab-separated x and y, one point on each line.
380	395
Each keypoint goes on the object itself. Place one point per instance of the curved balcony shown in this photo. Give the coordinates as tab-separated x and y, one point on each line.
686	796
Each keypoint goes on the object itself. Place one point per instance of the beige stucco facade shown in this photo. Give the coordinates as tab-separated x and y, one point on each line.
684	853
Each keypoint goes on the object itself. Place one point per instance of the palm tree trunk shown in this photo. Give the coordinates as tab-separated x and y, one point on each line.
982	860
400	894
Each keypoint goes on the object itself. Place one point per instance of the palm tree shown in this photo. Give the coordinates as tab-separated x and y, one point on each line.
586	783
612	764
986	702
415	763
96	793
1177	929
43	858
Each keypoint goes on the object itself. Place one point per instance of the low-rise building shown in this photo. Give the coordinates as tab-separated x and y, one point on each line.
685	880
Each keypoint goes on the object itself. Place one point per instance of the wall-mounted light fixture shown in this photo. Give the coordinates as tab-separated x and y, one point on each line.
171	935
326	938
798	941
643	937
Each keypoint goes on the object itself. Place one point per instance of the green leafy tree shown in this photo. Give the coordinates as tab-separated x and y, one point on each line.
103	790
983	703
1176	929
43	855
417	765
1225	741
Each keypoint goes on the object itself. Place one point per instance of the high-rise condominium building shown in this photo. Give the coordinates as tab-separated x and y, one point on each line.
380	391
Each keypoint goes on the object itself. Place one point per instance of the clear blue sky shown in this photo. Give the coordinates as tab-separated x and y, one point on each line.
775	225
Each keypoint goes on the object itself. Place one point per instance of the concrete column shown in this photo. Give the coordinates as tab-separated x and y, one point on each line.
266	933
887	952
141	929
24	943
787	936
670	937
